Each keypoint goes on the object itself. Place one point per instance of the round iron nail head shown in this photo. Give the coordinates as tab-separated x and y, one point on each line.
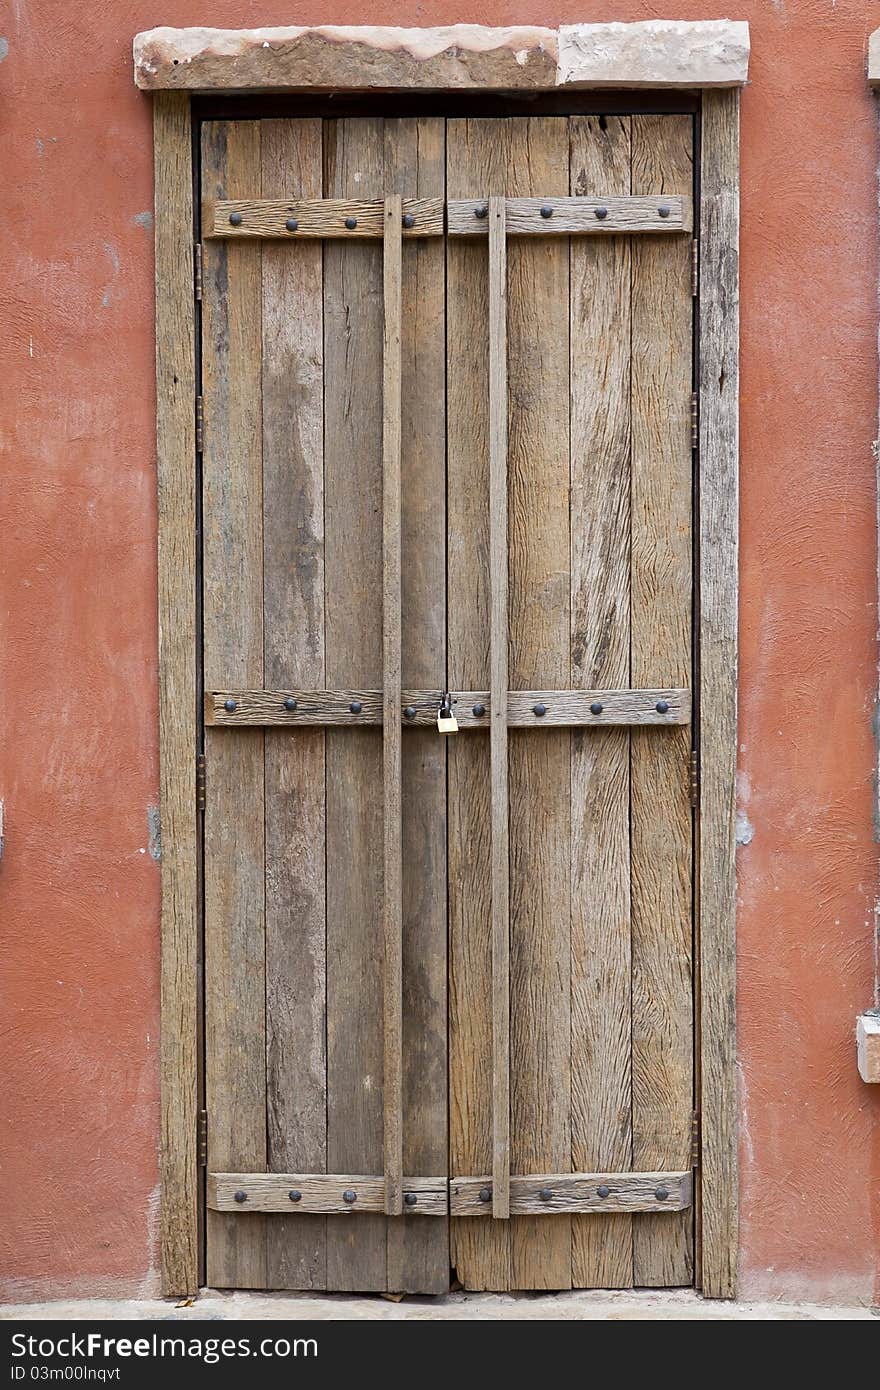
546	211
479	711
603	1191
241	1197
349	1196
291	224
661	1194
409	712
410	1199
230	706
662	707
295	1195
351	223
601	213
408	220
355	707
290	704
539	710
485	1194
546	1194
596	707
663	210
235	219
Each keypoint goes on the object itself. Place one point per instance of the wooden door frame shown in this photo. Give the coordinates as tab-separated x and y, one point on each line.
176	63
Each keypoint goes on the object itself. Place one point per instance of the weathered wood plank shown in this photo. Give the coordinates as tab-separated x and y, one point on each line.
323	1193
235	944
554	1194
719	496
498	644
392	810
419	707
293	645
575	216
353	334
477	153
418	1250
661	501
540	638
175	454
319	218
601	1090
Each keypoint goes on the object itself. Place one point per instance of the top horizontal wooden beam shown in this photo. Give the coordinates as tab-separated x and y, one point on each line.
659	53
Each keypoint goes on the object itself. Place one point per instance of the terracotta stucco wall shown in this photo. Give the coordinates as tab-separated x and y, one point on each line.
79	882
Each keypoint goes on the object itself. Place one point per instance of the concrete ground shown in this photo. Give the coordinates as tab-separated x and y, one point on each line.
680	1305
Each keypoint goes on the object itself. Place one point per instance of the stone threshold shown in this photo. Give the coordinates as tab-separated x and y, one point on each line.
659	53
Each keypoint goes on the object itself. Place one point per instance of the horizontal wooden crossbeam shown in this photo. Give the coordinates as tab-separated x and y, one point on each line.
575	1192
309	218
537	1195
525	708
322	1193
575	216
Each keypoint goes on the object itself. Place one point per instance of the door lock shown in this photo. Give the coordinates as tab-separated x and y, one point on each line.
446	720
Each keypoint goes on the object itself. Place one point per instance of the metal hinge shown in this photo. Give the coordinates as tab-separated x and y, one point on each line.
695	267
197	270
695	777
202	1139
695	420
200	781
695	1139
200	424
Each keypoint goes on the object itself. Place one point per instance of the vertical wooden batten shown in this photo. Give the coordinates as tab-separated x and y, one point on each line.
719	521
176	476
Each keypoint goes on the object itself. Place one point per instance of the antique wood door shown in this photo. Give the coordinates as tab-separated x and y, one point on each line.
447	479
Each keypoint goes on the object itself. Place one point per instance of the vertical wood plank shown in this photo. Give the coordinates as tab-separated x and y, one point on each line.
293	641
662	928
392	904
540	763
477	155
175	452
498	641
600	621
353	335
235	946
719	492
418	1246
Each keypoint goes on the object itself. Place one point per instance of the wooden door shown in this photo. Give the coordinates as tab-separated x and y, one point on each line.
447	451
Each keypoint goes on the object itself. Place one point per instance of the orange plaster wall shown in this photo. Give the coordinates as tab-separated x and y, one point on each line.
79	884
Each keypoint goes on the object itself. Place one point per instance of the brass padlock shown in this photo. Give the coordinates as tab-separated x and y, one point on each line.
446	720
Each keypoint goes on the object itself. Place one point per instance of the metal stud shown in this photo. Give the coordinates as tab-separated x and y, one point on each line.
295	1195
546	211
351	223
546	1194
291	224
235	219
596	707
601	213
290	704
410	1199
408	220
355	707
662	707
663	210
349	1196
539	710
481	210
240	1197
479	711
661	1194
485	1194
603	1191
409	712
230	706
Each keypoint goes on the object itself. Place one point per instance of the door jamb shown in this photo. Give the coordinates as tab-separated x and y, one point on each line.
718	588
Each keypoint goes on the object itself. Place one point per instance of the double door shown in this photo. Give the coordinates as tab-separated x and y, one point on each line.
446	477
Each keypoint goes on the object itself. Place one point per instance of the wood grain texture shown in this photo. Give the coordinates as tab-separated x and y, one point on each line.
601	1085
661	501
418	1250
476	160
498	673
575	216
235	944
293	646
175	455
392	846
322	1193
561	707
353	336
540	768
554	1194
719	494
320	218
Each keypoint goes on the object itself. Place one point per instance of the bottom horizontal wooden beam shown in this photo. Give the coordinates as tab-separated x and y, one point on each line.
322	1193
575	1192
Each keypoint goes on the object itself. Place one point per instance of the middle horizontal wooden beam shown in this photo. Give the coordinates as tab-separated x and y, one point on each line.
472	708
